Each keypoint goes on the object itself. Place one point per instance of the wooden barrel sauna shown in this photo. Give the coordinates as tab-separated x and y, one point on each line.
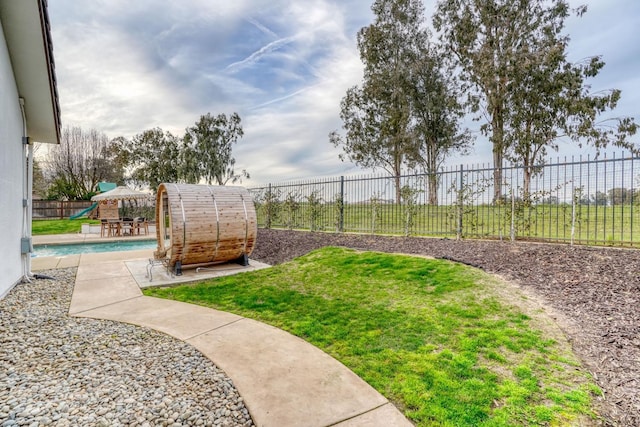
204	224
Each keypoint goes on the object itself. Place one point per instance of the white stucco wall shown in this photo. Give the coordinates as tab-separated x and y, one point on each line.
11	172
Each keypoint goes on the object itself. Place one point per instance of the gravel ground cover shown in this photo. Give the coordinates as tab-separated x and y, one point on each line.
65	371
593	294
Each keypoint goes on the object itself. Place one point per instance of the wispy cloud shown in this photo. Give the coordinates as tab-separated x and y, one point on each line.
257	55
262	28
282	98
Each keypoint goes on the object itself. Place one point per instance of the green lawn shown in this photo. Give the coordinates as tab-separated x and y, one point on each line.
59	226
432	336
597	225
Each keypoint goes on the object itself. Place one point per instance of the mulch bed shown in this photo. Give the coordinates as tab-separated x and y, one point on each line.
595	293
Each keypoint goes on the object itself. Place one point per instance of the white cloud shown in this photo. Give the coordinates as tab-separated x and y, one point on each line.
283	65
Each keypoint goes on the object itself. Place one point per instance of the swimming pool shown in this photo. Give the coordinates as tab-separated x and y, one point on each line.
94	247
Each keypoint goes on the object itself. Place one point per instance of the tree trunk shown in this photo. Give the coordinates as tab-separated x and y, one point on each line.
526	184
497	175
498	153
495	91
432	183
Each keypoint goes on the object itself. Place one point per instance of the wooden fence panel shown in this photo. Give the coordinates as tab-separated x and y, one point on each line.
55	209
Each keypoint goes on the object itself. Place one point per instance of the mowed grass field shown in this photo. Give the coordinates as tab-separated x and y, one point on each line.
448	344
586	224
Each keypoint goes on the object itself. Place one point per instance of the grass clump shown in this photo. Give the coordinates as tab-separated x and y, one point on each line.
432	336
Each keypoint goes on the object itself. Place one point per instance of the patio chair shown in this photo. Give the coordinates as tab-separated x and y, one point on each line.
127	226
141	224
115	227
104	227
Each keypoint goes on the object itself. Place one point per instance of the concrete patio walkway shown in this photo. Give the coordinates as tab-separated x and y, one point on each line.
283	380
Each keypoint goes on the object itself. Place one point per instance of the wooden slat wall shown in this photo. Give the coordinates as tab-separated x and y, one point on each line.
201	235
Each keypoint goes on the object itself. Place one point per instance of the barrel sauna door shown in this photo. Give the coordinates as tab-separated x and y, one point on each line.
165	226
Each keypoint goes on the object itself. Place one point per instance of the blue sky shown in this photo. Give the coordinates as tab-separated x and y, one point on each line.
284	65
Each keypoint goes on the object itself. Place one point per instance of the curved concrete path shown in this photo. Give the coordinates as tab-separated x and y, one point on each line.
283	380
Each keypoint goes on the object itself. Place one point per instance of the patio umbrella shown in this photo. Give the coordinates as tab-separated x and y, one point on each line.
120	193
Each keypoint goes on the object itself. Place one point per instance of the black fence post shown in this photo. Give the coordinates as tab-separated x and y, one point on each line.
341	222
268	201
460	202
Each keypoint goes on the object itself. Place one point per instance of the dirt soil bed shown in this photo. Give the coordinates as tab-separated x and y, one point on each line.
593	294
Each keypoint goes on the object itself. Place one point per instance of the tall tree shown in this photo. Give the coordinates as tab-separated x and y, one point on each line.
405	113
551	102
436	114
152	157
377	115
207	151
535	108
485	39
511	54
82	159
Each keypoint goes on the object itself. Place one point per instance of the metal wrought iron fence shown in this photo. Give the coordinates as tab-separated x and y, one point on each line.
574	200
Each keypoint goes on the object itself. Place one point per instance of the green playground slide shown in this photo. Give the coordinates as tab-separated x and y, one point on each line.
84	211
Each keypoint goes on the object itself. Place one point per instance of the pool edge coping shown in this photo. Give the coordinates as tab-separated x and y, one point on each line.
73	260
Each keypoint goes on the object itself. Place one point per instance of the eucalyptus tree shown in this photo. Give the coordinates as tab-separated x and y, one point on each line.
405	113
207	152
377	115
436	114
151	157
486	40
552	102
512	58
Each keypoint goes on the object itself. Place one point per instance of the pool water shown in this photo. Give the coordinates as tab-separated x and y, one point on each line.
83	248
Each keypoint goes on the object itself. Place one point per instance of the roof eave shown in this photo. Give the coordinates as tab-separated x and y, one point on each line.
28	36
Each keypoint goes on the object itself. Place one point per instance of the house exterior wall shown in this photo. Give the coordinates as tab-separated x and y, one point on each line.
12	174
